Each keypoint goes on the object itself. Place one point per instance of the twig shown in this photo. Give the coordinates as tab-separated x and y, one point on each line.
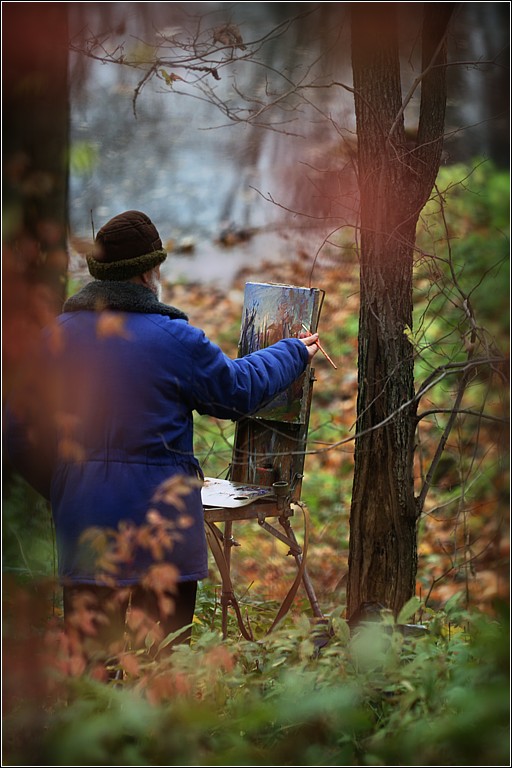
420	501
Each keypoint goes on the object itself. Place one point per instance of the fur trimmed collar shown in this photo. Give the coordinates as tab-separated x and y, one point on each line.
120	296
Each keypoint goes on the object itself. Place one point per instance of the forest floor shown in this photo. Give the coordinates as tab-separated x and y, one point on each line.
463	543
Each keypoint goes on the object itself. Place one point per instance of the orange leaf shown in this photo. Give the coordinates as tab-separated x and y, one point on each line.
111	324
130	664
70	450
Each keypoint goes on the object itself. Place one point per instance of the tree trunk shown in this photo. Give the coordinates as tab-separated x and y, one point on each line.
35	162
394	183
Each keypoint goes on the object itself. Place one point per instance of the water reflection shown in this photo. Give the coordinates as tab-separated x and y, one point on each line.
198	174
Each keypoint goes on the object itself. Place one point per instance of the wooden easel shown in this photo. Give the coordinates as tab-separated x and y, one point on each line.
269	450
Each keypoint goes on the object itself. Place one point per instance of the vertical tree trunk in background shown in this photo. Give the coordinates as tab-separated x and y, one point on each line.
35	162
394	183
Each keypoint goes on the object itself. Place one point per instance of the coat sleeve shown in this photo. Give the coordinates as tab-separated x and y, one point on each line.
230	389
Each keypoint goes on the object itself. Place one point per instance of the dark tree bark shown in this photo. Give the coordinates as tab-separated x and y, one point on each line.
395	181
35	162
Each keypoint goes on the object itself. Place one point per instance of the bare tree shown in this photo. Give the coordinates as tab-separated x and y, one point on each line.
395	182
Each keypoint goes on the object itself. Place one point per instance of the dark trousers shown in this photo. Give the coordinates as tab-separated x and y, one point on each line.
116	620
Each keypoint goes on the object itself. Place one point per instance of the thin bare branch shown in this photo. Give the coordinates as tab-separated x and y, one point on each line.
468	411
415	85
420	500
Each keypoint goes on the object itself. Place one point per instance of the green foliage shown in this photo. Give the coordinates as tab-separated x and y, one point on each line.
326	495
463	242
83	157
28	545
373	696
461	313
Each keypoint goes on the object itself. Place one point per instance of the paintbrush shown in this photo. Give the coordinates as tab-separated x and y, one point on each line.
320	348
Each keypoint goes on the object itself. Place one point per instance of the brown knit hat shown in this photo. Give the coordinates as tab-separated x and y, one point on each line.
126	246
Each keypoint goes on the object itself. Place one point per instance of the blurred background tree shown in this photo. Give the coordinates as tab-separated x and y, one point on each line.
35	157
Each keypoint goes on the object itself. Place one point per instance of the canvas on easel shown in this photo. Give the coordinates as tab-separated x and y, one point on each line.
269	445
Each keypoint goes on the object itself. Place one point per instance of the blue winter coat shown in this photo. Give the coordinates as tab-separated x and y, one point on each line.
124	384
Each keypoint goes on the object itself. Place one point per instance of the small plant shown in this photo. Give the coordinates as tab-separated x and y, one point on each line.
371	695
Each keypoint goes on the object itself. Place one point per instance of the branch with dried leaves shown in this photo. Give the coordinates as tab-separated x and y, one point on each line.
205	53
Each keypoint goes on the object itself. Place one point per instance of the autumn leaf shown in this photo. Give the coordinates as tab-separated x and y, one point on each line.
135	618
156	548
55	339
106	563
181	684
170	78
116	600
70	450
156	541
130	664
142	626
84	614
111	324
66	422
220	658
172	490
229	35
166	604
98	537
160	688
107	581
98	672
160	577
77	665
155	518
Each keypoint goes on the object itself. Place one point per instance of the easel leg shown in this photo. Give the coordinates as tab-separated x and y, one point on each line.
220	548
225	598
308	585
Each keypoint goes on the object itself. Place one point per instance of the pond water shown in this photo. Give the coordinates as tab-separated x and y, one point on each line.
225	194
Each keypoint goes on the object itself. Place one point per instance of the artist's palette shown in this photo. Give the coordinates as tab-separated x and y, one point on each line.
224	493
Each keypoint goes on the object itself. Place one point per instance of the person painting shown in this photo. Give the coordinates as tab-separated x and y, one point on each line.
109	437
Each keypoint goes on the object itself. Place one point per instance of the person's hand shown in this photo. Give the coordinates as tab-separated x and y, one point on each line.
311	343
